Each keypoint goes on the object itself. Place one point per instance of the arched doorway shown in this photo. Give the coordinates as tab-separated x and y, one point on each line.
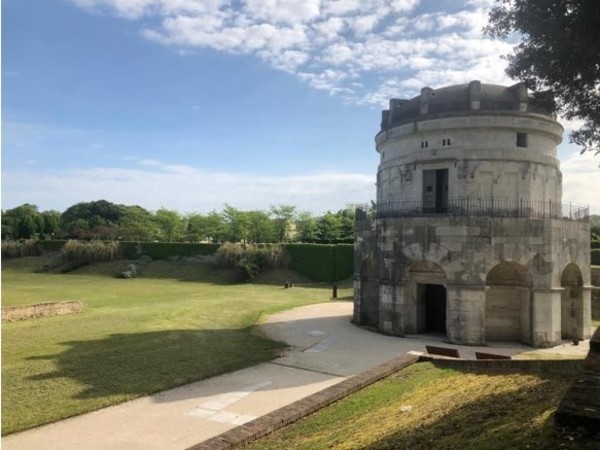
508	303
369	294
571	303
428	282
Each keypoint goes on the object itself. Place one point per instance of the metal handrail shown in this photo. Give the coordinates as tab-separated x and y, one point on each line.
476	207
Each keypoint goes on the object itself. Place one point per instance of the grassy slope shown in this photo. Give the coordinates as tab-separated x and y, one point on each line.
450	410
137	336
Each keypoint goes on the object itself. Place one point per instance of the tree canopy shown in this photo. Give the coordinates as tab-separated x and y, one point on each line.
559	52
105	220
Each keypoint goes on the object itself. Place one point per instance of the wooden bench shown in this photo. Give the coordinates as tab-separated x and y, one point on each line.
442	351
480	355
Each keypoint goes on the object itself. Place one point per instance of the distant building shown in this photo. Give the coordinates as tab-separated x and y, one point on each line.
469	237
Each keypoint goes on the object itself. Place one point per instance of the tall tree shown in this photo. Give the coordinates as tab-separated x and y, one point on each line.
307	227
171	225
330	227
236	224
346	216
208	227
559	52
51	220
96	219
284	216
137	224
260	226
22	222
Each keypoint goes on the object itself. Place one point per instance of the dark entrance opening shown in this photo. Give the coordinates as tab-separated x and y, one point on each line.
435	308
435	191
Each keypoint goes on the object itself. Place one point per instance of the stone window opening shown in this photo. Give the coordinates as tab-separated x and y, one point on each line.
521	139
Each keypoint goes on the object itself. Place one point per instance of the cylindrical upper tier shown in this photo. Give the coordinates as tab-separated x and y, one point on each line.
471	141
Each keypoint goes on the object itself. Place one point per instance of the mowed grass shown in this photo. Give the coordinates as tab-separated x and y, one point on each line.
137	336
424	408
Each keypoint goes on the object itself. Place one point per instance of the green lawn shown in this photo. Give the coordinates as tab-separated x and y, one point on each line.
136	337
424	407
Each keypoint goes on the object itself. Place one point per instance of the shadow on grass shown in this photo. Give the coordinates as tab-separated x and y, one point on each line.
520	419
144	363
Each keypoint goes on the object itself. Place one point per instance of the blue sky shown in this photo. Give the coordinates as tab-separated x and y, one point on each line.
192	104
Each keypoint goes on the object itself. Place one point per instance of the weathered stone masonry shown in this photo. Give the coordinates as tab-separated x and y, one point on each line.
470	238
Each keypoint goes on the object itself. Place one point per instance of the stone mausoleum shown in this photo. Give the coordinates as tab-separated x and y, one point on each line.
470	238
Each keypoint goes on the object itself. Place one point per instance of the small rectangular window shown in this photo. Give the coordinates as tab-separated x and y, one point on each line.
521	139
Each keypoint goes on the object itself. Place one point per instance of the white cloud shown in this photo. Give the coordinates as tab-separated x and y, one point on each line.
372	42
286	11
184	188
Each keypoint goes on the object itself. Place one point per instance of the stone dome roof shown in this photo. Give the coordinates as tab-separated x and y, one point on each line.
471	98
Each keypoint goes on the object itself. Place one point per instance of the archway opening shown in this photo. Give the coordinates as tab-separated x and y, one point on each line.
508	303
435	308
571	303
369	293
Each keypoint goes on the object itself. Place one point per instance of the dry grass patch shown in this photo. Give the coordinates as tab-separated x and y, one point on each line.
424	407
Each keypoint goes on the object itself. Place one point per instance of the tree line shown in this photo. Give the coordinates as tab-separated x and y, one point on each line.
108	221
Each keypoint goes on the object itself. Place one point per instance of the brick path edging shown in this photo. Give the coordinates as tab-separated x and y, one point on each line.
257	428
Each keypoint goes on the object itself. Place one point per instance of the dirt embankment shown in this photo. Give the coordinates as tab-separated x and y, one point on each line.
24	312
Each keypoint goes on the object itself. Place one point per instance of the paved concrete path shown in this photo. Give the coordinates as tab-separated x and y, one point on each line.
325	349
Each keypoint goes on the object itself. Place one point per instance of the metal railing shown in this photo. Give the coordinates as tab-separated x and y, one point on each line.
475	207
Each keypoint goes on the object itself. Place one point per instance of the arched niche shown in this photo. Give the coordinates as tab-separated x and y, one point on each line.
571	302
508	303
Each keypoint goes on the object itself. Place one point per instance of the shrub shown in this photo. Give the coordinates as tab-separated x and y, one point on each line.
252	259
52	245
15	249
82	253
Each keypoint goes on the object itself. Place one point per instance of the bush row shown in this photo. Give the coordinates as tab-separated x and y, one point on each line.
81	253
155	250
15	249
321	262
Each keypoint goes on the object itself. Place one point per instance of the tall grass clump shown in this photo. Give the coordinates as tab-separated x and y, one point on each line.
82	253
16	249
252	259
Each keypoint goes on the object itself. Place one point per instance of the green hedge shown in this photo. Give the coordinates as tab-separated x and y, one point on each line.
131	250
320	262
344	261
165	250
596	257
